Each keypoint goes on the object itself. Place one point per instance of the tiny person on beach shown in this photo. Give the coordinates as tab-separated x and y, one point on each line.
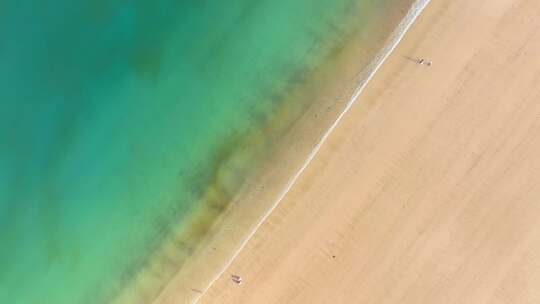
423	61
237	279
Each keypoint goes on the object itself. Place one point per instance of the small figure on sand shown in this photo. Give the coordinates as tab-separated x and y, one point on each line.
424	61
237	279
421	61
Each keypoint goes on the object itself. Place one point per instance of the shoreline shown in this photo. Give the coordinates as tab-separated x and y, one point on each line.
416	9
424	189
182	243
191	270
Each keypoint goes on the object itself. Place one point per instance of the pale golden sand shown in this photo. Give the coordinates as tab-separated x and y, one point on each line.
430	195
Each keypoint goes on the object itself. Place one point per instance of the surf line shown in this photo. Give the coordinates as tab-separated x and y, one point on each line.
416	9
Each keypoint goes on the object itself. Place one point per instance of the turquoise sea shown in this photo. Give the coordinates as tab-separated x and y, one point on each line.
116	115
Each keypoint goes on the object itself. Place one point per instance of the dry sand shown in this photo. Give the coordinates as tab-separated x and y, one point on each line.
430	195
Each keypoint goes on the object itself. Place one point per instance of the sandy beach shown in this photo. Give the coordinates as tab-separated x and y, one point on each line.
427	191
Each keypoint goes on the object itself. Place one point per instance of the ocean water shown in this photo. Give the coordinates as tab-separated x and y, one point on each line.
116	117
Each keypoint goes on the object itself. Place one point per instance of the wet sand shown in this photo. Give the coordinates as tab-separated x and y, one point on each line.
427	191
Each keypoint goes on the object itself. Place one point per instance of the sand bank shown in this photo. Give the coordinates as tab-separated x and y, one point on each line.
427	191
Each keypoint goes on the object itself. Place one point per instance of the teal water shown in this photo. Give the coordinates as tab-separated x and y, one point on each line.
113	115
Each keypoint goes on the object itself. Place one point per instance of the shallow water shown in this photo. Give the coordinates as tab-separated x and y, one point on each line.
115	116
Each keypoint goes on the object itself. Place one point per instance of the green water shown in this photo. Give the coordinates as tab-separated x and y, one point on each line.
114	116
